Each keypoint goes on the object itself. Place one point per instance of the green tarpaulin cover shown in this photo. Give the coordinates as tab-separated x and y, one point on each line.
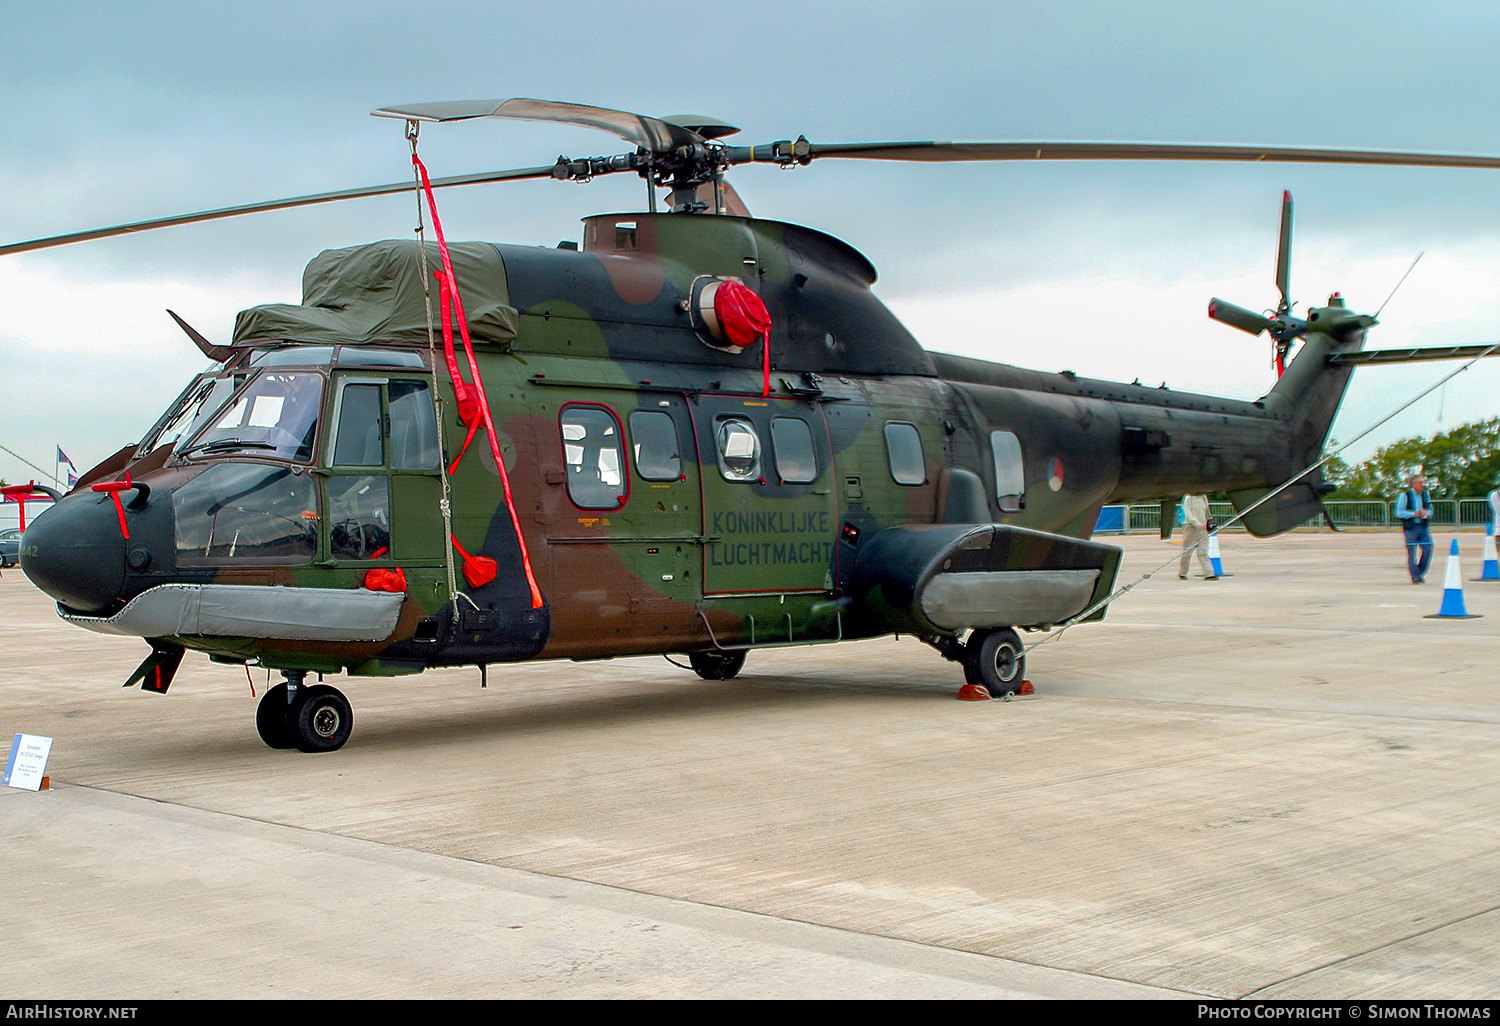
373	294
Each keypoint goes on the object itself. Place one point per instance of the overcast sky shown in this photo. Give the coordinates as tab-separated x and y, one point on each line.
119	112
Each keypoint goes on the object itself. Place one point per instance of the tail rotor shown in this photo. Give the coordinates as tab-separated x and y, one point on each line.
1279	323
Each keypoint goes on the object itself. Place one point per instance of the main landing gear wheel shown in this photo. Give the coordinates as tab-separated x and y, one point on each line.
323	720
318	719
274	716
716	665
995	658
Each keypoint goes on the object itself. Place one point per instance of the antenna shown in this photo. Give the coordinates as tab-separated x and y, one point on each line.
1401	282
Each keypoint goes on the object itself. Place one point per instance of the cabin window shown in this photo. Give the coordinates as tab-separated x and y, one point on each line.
594	455
903	448
655	439
792	443
1010	471
739	449
246	513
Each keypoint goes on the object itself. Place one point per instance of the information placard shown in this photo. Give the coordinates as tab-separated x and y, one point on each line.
27	762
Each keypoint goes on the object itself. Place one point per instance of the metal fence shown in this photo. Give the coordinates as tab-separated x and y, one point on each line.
1373	513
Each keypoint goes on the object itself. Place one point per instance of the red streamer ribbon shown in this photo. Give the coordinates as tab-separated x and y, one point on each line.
114	488
451	285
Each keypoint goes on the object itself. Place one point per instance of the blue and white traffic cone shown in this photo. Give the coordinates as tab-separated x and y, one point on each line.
1491	571
1213	555
1453	592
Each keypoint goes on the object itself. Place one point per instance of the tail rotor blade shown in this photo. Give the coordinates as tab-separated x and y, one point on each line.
1238	317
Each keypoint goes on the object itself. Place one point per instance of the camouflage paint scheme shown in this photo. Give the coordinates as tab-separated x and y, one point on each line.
700	562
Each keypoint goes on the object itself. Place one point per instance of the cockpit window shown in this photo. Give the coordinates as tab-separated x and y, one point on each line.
357	356
246	514
414	435
360	441
293	356
348	356
398	430
359	521
202	400
275	416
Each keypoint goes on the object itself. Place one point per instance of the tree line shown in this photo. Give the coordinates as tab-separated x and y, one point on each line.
1459	464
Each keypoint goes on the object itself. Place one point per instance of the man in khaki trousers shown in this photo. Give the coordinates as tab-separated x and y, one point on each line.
1195	536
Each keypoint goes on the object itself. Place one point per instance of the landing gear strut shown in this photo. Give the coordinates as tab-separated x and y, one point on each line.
309	719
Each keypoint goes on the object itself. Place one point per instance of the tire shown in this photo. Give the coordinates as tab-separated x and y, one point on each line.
274	718
323	720
995	658
717	665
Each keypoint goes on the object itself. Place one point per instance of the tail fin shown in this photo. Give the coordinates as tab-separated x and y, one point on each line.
1306	398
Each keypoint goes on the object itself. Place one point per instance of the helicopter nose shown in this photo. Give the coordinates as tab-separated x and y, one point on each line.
75	552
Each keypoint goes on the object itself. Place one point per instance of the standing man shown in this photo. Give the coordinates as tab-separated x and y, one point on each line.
1414	510
1195	536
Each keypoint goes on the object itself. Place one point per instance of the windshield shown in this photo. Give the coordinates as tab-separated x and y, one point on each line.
201	400
276	415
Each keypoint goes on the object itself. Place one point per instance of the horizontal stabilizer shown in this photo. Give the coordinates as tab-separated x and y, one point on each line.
1420	355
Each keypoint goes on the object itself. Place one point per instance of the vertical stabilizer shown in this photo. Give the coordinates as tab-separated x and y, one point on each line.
1306	398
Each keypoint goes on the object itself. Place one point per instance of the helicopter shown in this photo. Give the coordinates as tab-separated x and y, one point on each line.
699	433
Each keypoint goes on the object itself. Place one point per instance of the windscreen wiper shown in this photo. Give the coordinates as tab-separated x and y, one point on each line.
224	444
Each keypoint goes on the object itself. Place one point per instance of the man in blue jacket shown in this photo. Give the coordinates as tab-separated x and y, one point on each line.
1414	510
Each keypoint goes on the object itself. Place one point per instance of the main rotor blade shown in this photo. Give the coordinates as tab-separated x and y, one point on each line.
961	151
283	204
664	138
649	133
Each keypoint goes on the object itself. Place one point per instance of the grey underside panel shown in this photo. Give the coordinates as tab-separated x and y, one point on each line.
241	611
1006	597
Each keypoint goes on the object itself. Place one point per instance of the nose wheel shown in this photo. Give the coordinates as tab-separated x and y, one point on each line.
309	719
